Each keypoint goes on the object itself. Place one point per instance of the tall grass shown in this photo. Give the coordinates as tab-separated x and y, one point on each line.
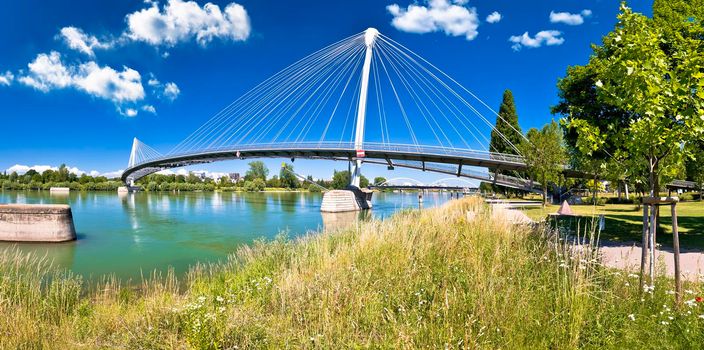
438	278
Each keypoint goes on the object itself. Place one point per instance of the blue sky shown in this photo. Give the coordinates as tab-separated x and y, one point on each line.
73	74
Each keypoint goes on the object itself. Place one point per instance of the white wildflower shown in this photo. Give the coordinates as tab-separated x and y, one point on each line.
632	317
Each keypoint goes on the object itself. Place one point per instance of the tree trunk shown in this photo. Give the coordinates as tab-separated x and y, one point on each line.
626	185
545	194
654	182
594	189
653	179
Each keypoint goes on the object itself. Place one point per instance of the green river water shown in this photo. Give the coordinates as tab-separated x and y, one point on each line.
130	235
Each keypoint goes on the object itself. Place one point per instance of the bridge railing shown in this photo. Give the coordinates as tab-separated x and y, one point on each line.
349	146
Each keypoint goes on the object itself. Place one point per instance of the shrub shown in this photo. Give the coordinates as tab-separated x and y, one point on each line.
686	197
256	185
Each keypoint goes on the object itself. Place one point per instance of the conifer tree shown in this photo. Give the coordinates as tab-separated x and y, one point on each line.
506	125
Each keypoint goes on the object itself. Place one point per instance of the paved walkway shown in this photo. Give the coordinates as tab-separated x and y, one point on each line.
507	211
628	258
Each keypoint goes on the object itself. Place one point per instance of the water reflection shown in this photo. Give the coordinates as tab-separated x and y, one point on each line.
338	221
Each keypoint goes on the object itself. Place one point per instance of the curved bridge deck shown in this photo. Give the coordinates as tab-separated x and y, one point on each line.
427	158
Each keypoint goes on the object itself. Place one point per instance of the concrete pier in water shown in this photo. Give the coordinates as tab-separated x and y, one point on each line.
351	199
36	223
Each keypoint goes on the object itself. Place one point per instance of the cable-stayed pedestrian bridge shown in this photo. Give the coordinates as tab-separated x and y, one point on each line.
364	99
456	162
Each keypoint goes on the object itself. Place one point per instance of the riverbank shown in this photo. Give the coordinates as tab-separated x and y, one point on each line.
421	279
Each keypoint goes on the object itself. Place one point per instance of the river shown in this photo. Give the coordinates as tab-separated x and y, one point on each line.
130	235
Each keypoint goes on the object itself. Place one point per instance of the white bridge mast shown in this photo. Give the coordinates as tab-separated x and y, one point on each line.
369	38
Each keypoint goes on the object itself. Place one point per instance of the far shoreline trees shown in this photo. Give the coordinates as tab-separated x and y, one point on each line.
255	180
33	180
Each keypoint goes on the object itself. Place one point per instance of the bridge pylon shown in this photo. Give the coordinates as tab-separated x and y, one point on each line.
354	197
370	36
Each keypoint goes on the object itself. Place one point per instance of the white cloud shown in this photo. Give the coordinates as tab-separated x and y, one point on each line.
573	19
440	15
22	169
107	83
47	72
112	174
6	78
149	108
545	37
76	39
494	17
171	91
130	112
181	21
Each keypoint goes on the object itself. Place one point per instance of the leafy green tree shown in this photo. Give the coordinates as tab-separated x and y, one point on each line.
314	188
62	173
653	73
273	182
192	178
47	176
379	180
545	155
256	185
85	178
340	179
286	176
681	16
363	182
152	186
257	170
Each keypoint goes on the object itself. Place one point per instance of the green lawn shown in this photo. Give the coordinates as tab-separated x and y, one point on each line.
624	222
